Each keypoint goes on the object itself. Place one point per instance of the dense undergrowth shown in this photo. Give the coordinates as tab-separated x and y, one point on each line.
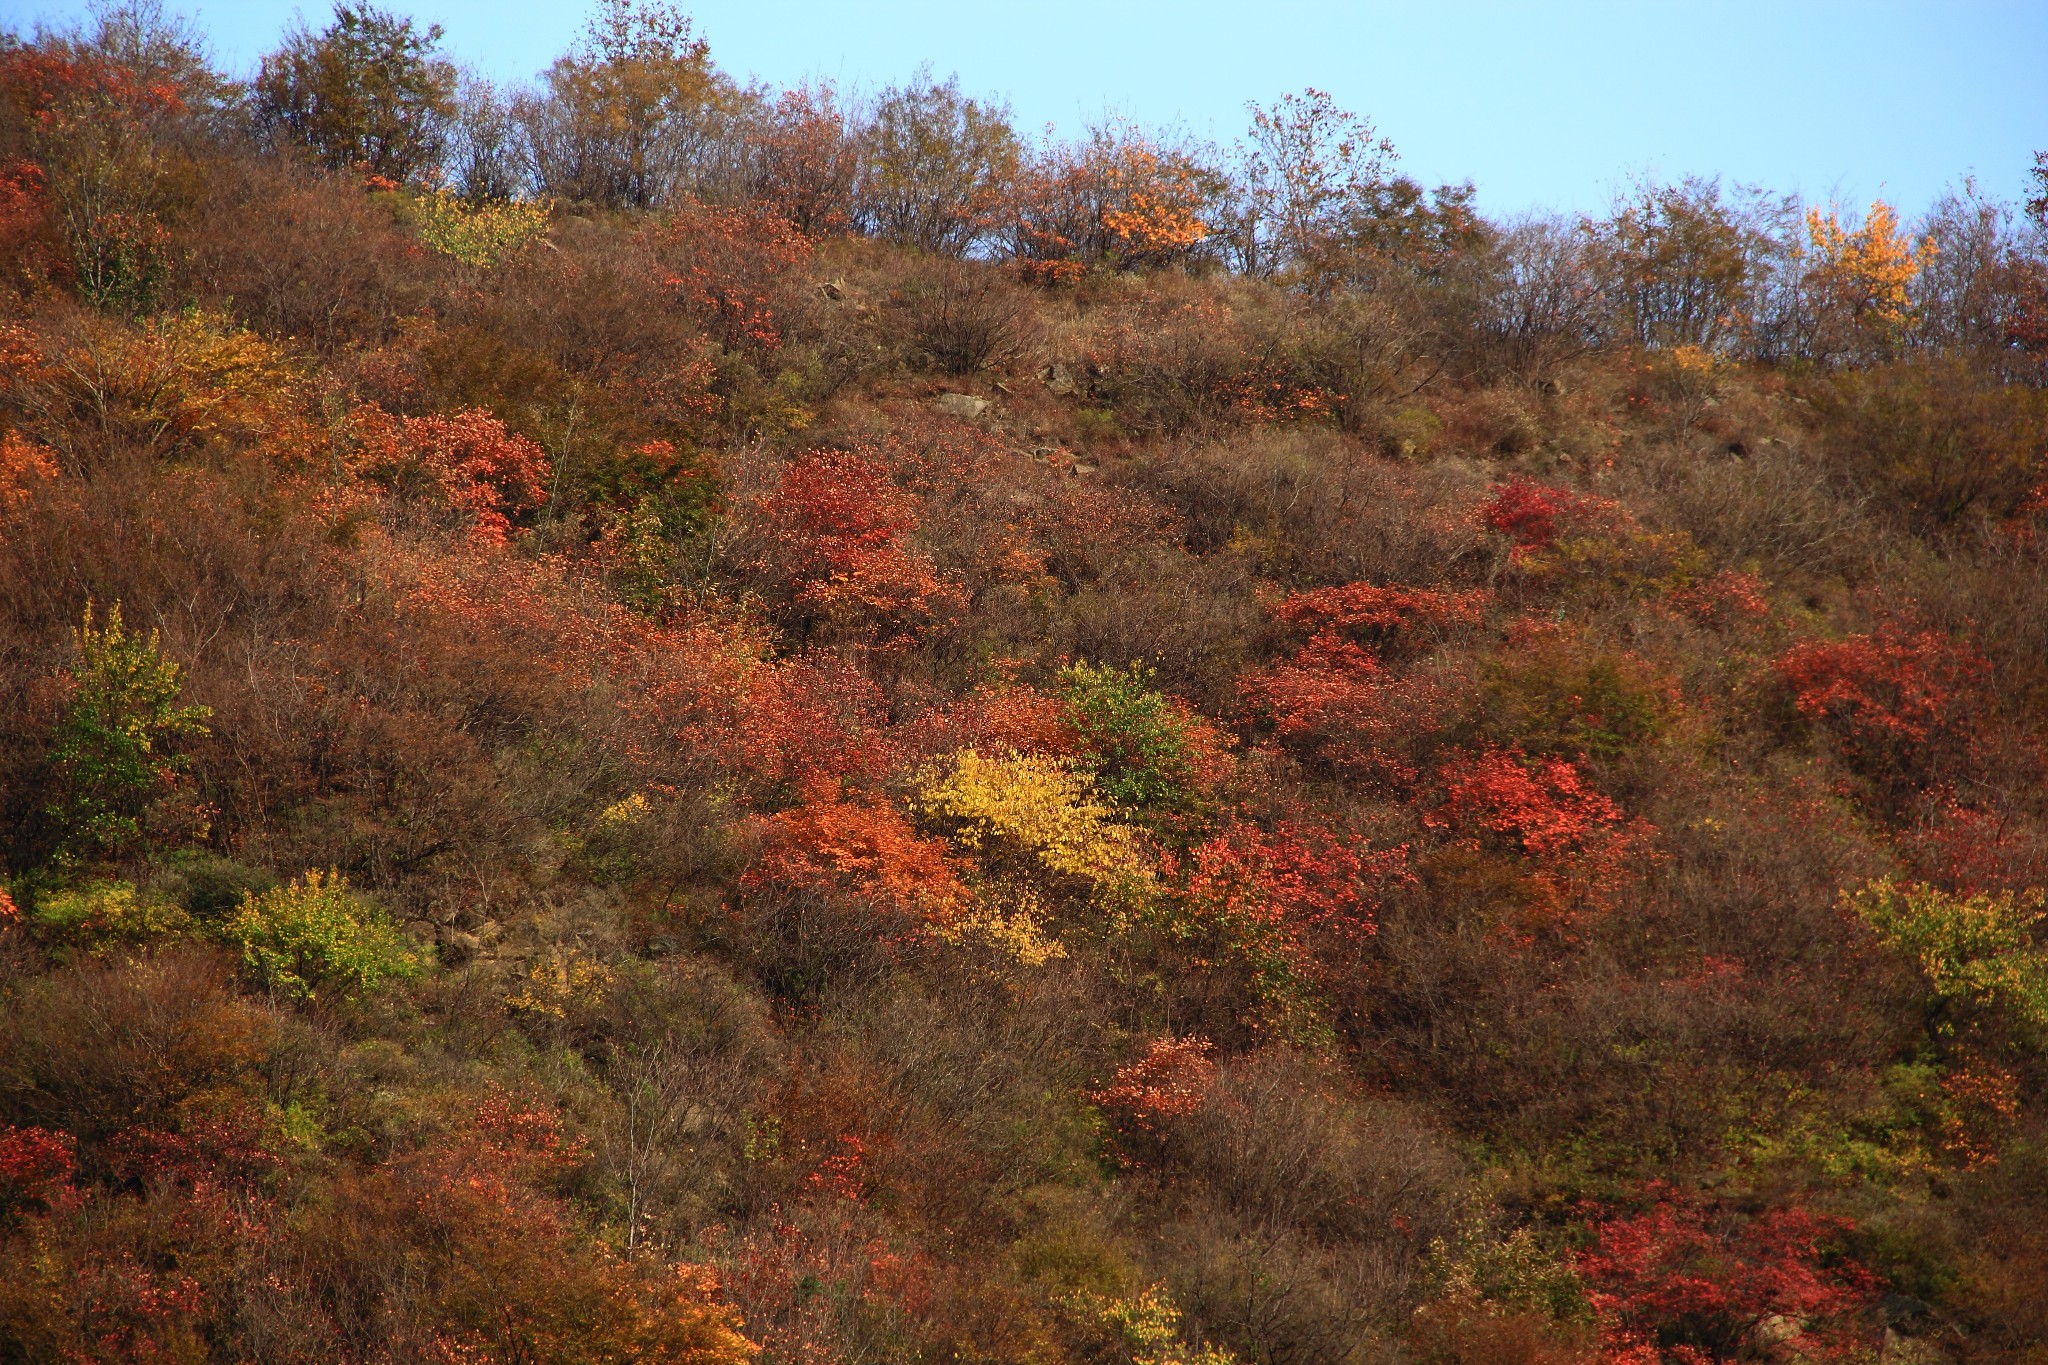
1078	754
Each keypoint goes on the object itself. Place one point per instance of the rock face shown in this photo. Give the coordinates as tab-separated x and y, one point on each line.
962	405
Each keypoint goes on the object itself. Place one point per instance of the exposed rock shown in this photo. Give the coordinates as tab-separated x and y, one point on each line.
962	405
1057	380
1777	1329
1904	1350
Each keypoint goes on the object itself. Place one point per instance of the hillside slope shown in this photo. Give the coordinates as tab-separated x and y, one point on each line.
593	781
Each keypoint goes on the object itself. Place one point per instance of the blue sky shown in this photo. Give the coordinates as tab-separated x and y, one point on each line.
1548	106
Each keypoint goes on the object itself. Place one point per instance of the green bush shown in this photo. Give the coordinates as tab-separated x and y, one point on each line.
115	749
314	934
1140	743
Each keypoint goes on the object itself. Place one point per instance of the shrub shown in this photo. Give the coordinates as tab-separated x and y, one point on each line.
1171	1081
1937	439
103	134
1146	1326
1296	904
1572	698
481	235
1897	702
101	915
314	934
1535	515
1577	840
116	750
468	464
36	1168
1147	750
1376	615
834	531
1675	1284
105	1045
1035	816
736	272
1338	706
963	317
834	848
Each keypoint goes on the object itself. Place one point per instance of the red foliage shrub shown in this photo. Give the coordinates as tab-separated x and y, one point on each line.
1378	612
1337	705
1577	839
1903	706
1727	598
1534	515
468	463
737	271
221	1142
834	533
1171	1081
807	727
1304	883
1974	848
1674	1285
36	1167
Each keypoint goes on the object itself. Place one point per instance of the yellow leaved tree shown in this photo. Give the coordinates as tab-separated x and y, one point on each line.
1857	283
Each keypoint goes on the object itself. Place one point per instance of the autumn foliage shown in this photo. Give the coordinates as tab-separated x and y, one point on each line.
648	718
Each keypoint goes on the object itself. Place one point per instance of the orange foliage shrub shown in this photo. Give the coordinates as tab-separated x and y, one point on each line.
467	463
1116	198
863	851
1171	1081
24	467
498	1269
28	242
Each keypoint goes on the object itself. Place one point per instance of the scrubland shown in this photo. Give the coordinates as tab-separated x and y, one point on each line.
648	719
